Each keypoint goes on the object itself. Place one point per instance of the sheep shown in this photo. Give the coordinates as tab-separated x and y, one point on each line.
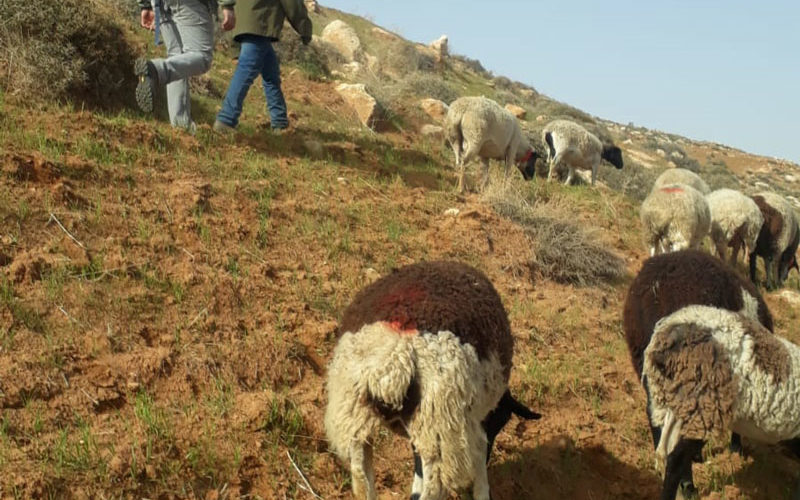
477	126
777	241
736	222
427	352
710	370
572	145
674	217
681	176
669	282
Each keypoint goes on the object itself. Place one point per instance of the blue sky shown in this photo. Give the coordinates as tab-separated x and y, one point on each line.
725	71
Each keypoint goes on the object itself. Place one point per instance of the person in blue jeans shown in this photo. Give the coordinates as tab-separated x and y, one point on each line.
259	23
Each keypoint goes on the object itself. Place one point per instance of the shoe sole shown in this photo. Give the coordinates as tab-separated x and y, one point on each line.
144	88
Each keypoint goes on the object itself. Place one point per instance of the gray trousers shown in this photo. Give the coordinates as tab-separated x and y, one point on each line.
188	32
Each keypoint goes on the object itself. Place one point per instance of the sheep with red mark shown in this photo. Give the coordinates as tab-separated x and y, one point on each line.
669	282
425	351
681	176
709	371
777	242
674	217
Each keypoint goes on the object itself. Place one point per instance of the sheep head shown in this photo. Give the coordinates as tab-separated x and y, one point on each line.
527	164
612	154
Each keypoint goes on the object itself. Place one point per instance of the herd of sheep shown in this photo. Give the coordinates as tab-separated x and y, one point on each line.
426	351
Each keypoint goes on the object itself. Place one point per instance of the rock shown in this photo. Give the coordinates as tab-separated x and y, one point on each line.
439	47
352	68
677	155
541	118
517	111
344	39
371	274
452	212
790	178
660	152
432	131
367	108
435	108
791	297
527	93
312	6
382	33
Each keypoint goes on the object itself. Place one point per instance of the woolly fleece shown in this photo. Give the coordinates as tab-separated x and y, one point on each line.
716	370
681	176
671	281
735	220
675	217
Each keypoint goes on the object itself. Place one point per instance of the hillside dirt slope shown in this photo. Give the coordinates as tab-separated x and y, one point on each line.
168	304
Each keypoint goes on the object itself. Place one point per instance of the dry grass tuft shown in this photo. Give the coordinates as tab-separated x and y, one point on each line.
65	50
560	250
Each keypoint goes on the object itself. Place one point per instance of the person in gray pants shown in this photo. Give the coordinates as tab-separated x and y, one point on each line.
188	32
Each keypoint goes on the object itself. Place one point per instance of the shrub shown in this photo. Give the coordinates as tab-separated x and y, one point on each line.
560	250
65	50
633	180
429	85
717	175
313	59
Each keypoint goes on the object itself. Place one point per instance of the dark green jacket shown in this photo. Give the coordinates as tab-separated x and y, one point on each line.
265	18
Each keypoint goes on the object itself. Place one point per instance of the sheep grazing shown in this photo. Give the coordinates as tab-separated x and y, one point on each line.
681	176
675	217
570	144
669	282
710	370
736	222
427	352
777	241
479	127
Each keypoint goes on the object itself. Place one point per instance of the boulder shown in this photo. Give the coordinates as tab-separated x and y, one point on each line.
367	108
344	39
382	33
432	131
434	108
312	6
439	47
517	111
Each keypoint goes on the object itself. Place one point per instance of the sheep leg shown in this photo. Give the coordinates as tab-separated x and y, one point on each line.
362	471
485	173
736	444
570	173
769	268
554	164
679	469
470	152
416	486
431	482
753	258
594	173
480	488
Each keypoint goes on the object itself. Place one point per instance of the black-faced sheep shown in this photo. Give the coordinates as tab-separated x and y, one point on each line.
709	371
569	144
736	222
479	127
427	352
681	176
675	280
777	241
674	217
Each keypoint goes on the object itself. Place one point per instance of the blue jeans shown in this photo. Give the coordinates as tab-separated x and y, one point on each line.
257	57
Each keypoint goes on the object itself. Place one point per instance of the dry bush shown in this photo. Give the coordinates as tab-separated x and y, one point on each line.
633	180
560	250
315	60
428	85
717	175
66	50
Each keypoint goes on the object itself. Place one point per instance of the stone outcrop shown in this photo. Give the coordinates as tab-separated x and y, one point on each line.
517	111
344	39
434	108
367	108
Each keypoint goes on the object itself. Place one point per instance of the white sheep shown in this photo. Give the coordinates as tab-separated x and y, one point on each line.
777	242
709	371
427	352
674	217
568	143
479	127
681	176
736	221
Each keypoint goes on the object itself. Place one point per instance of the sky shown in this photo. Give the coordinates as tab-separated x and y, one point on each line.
722	71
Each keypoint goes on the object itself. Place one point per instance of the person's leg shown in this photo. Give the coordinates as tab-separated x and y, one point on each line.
247	69
188	32
271	80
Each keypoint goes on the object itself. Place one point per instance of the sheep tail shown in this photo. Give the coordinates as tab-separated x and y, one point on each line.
371	378
551	149
689	375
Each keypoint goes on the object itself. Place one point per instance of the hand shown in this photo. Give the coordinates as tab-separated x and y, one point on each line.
306	40
228	19
148	19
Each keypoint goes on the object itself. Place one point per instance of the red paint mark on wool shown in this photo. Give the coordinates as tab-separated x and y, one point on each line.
403	328
672	190
397	306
